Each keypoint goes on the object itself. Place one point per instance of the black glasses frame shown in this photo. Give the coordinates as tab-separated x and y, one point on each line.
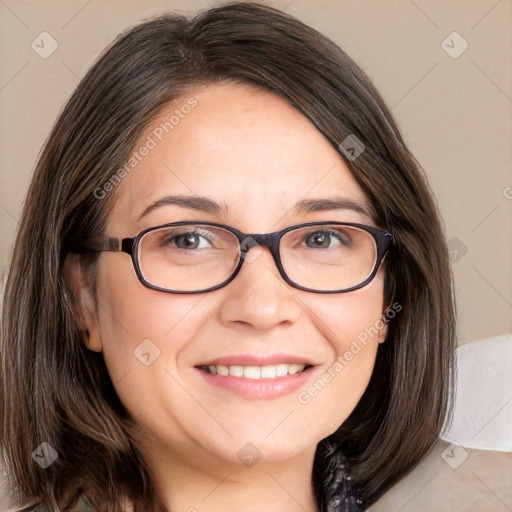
101	243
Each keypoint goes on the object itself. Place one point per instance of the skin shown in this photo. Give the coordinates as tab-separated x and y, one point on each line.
252	151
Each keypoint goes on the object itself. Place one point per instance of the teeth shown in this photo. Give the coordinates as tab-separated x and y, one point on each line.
295	368
236	371
281	370
268	372
221	370
252	372
257	372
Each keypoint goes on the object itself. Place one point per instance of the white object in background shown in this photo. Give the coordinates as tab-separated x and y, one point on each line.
483	400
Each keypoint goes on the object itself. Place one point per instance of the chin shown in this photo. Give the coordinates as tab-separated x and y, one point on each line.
252	446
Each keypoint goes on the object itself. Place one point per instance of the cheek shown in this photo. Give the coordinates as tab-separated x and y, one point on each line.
352	319
144	333
142	330
351	323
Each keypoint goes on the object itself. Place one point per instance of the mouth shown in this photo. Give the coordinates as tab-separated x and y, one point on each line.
257	377
256	372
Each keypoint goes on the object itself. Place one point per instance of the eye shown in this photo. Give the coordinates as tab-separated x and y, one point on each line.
188	240
322	238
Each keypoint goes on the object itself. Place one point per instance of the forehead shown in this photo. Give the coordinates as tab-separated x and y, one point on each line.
247	148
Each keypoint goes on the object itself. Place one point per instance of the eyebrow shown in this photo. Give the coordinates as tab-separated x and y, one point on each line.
208	205
194	202
334	203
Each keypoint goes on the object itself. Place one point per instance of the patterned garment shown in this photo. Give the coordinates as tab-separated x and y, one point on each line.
340	491
82	504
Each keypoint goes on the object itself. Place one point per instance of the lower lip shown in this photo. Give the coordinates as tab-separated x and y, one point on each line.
258	389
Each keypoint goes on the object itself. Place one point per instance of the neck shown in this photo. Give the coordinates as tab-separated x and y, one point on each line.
196	481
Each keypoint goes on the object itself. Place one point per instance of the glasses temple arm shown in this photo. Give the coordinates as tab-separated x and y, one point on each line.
98	244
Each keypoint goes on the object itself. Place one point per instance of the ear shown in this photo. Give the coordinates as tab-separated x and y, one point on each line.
83	303
383	332
389	293
383	325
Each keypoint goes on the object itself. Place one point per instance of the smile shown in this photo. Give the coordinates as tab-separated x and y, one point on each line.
251	381
256	372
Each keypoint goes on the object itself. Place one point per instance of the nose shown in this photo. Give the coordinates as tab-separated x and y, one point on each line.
259	296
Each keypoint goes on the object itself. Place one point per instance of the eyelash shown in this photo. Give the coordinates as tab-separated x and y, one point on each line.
200	232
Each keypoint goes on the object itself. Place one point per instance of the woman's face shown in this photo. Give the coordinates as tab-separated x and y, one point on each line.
249	151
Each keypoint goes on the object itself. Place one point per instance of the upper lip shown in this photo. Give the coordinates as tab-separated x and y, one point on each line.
257	360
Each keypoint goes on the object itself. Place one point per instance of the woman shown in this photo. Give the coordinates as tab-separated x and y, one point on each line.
282	336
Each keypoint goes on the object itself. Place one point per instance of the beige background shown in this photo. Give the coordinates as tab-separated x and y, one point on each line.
455	114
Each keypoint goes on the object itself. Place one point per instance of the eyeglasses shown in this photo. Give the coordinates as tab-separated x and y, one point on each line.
192	257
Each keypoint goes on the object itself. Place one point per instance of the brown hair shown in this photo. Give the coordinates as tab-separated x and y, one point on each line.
55	390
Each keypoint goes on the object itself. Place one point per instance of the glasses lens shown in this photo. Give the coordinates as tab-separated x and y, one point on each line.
328	257
188	258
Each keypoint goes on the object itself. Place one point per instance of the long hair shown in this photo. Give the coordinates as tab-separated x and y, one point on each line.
54	390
